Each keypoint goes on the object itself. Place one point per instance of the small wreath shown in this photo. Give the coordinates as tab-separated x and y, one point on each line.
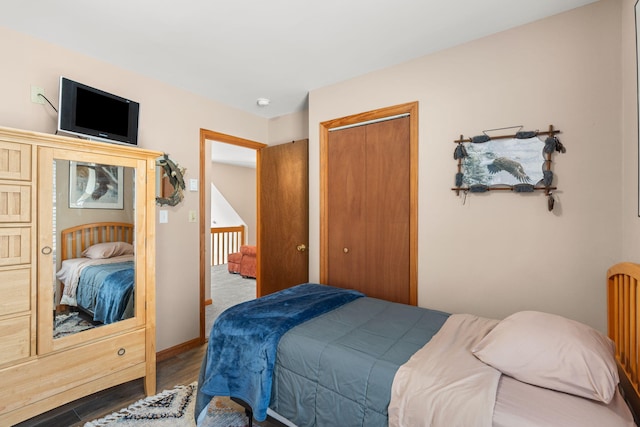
175	174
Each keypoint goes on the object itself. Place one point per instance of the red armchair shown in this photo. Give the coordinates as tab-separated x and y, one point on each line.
243	262
248	263
233	262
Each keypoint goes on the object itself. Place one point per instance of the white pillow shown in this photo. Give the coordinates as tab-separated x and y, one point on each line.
551	351
108	250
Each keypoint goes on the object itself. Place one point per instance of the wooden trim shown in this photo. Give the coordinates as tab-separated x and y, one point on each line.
209	135
177	349
202	229
413	201
622	320
208	301
229	238
75	240
150	279
412	109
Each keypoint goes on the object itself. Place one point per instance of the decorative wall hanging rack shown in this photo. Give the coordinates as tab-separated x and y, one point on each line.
519	162
174	174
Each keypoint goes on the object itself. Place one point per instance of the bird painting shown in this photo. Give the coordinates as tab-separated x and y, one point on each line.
510	166
94	182
105	181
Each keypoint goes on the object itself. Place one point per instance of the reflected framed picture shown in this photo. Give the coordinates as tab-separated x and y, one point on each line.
95	186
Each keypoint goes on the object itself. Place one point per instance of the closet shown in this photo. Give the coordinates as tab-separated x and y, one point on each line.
43	366
369	224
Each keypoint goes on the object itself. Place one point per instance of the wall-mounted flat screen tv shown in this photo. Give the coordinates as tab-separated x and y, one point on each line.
95	114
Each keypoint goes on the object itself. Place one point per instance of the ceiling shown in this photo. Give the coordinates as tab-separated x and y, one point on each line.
233	155
235	52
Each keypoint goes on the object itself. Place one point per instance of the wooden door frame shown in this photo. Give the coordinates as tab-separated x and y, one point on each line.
209	135
410	108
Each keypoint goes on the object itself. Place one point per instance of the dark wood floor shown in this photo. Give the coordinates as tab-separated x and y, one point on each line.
181	369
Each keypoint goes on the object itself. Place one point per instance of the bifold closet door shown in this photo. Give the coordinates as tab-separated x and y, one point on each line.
368	200
346	208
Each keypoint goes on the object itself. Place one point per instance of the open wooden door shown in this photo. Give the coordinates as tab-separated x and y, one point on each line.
283	212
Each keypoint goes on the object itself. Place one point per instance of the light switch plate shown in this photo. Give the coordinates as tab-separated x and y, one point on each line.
164	217
193	184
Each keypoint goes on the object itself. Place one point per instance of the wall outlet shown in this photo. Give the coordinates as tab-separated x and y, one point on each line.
193	216
35	95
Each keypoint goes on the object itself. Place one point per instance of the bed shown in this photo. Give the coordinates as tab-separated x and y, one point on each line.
97	270
376	363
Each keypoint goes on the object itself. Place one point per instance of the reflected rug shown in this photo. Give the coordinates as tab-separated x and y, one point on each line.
67	324
175	408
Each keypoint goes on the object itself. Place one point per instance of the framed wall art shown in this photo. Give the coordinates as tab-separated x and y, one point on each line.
95	186
519	162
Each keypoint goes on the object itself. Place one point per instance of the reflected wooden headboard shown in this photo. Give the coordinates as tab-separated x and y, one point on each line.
623	309
76	239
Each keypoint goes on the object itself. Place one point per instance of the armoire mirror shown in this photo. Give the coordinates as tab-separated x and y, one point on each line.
88	210
93	256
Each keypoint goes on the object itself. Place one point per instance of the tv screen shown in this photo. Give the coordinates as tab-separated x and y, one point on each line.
96	114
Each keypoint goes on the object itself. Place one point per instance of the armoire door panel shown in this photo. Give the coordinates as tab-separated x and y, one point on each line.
16	290
14	338
346	207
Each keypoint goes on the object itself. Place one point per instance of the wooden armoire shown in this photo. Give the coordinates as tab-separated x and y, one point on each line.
369	203
40	368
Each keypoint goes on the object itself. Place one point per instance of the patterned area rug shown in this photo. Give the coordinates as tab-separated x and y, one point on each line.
174	408
67	324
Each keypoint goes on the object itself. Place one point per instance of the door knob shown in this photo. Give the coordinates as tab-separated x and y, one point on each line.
301	247
345	250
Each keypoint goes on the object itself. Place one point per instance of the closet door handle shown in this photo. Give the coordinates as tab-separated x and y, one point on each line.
301	247
345	250
46	250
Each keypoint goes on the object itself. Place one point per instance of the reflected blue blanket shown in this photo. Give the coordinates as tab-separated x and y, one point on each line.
105	290
244	339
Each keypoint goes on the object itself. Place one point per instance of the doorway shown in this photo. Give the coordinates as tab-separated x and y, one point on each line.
207	137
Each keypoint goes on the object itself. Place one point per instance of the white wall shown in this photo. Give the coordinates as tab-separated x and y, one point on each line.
628	215
500	252
497	253
170	121
237	185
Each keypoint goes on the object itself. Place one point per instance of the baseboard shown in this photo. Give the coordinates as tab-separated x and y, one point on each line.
178	349
208	301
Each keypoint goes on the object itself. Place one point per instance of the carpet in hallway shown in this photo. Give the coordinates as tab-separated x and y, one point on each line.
227	290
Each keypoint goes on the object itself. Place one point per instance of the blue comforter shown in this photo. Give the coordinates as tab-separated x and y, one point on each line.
106	289
243	342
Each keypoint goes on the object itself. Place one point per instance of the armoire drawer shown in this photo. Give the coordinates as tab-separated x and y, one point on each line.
15	203
15	245
15	161
49	375
16	291
14	339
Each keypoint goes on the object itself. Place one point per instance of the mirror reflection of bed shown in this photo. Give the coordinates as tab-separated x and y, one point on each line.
96	276
93	225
